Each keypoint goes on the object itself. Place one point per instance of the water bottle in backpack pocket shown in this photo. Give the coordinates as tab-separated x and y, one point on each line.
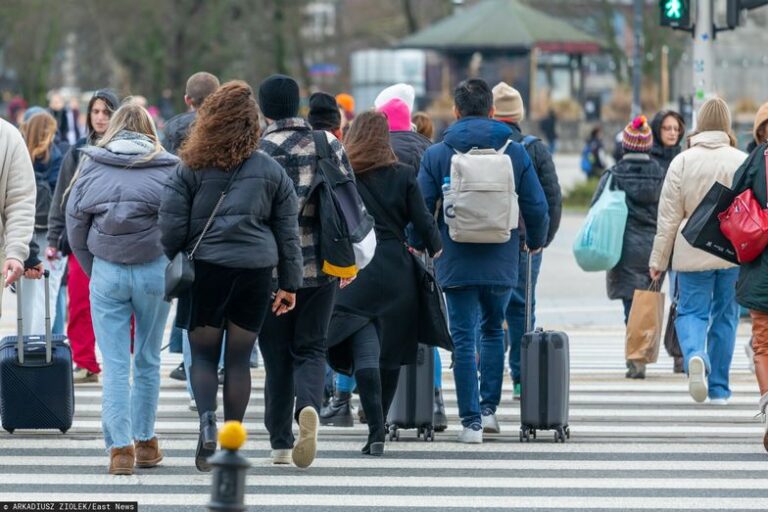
480	206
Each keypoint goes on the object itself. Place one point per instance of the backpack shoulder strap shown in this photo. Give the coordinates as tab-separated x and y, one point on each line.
503	149
322	147
528	140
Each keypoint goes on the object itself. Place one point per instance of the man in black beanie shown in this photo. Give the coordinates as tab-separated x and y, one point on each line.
293	345
324	113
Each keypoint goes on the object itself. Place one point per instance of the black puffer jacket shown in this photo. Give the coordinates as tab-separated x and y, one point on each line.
641	179
665	154
752	287
255	227
545	170
176	131
408	147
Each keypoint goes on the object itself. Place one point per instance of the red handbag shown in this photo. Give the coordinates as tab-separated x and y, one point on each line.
745	224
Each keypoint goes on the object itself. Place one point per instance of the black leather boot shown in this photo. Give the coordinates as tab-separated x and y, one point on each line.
369	385
439	420
206	442
339	411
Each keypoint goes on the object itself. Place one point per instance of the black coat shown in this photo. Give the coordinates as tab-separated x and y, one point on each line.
385	291
176	131
408	147
752	287
641	179
545	170
255	227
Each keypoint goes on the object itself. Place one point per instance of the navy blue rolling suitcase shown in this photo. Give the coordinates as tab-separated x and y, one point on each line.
545	378
36	390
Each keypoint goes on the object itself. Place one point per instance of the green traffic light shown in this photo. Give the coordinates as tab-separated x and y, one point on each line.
674	9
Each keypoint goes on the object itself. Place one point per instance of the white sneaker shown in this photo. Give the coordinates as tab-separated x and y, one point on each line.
281	456
305	449
490	423
718	401
750	355
697	379
472	434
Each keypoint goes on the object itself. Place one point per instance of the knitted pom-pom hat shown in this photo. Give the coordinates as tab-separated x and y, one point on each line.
637	136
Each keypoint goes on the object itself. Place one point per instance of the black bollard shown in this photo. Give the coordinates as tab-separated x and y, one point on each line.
229	469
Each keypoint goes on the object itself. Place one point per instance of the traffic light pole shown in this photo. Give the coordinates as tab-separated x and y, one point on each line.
703	54
637	60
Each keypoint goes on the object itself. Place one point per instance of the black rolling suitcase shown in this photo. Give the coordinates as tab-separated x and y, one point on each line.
414	400
36	390
545	378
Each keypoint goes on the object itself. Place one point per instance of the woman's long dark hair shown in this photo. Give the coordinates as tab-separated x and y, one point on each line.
367	142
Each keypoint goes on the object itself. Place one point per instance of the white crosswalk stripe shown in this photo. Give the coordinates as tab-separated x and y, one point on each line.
636	445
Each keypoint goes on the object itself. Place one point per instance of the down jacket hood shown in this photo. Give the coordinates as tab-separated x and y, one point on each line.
129	150
480	132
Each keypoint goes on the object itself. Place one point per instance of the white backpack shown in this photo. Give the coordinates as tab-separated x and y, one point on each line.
480	202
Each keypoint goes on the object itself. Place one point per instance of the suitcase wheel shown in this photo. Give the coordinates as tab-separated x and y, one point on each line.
568	432
560	435
429	434
525	434
394	433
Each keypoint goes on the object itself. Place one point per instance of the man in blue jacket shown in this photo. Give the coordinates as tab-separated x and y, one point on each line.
478	278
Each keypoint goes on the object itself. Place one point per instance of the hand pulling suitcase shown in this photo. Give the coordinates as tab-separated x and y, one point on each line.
36	388
545	377
414	401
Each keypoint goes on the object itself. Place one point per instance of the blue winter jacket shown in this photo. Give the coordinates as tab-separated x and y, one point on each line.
466	264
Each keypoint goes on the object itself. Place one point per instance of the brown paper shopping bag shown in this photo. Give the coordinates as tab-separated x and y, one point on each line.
645	325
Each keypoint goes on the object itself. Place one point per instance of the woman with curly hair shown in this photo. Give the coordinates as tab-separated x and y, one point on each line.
254	230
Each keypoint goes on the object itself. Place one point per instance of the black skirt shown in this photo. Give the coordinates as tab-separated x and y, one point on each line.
220	294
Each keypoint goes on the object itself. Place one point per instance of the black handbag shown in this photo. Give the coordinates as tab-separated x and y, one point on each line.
671	343
702	230
432	326
180	271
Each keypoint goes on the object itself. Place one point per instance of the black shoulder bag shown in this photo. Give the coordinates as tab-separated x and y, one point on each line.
180	271
432	324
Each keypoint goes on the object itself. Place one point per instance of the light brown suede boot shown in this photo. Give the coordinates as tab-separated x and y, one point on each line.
148	454
121	461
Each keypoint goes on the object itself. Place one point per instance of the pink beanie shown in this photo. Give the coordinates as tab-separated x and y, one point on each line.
398	115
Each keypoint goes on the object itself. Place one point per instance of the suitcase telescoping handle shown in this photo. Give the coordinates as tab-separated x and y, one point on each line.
529	291
20	321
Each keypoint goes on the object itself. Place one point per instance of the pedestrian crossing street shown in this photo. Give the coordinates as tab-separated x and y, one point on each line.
635	445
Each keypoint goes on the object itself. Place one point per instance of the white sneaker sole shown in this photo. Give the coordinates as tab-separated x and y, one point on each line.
697	379
305	449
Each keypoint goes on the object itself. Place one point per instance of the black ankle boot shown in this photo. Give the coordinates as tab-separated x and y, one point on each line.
206	443
439	420
369	384
339	412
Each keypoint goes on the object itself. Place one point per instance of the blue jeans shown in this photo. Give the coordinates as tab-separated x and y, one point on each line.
707	318
175	341
516	310
471	308
345	384
117	292
60	315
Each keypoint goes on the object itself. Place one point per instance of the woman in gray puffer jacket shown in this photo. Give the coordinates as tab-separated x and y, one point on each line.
112	226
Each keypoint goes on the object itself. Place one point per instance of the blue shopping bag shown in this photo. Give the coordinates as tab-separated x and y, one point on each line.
598	245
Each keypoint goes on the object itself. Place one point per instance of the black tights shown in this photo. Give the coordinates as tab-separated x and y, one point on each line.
205	343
